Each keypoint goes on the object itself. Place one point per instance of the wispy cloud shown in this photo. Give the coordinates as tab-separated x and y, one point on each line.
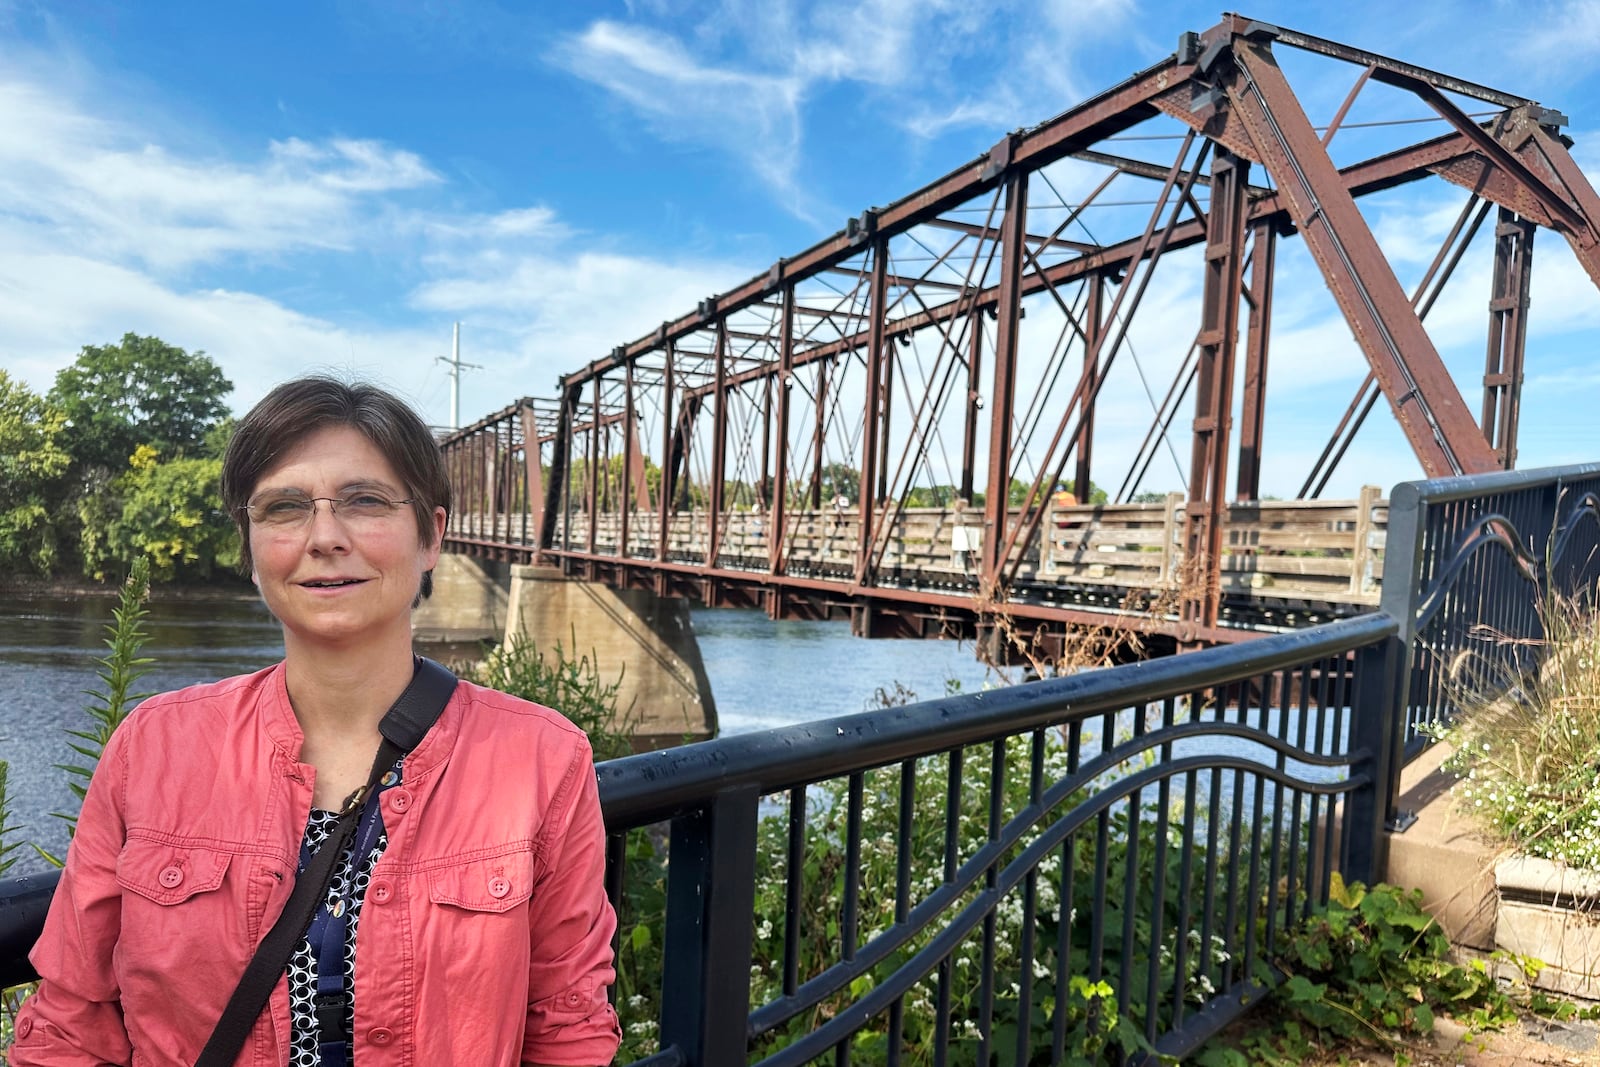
107	227
1565	35
71	177
753	115
926	67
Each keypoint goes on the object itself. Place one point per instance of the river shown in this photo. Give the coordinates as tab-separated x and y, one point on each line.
762	673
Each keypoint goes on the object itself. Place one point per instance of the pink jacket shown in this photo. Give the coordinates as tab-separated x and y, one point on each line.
485	937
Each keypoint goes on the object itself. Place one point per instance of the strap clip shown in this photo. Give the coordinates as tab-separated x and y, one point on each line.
332	1023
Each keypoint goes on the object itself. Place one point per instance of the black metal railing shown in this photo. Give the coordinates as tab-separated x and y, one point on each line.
1100	865
1097	864
1472	566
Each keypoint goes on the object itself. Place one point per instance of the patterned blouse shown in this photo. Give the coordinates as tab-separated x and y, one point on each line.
349	883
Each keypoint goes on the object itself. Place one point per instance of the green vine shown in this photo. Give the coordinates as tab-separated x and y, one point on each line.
1370	968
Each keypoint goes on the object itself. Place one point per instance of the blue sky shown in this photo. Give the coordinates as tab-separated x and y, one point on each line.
329	186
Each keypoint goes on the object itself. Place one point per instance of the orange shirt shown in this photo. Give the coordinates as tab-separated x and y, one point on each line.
485	935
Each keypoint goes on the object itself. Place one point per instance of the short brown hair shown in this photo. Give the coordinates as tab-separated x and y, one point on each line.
296	409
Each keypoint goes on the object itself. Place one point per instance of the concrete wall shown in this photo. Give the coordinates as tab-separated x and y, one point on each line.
645	640
468	604
1444	855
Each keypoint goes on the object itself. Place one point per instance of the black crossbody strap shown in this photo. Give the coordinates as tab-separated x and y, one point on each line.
418	708
403	727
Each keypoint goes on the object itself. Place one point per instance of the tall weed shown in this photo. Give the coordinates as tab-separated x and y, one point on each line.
1528	747
8	827
120	670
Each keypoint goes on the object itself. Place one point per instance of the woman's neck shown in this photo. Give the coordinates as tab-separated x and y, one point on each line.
343	692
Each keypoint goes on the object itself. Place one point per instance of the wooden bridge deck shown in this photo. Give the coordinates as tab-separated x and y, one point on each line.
1286	563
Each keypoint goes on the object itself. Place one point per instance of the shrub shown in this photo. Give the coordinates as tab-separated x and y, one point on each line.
572	686
1369	966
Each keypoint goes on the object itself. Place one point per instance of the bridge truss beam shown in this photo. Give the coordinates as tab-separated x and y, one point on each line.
957	350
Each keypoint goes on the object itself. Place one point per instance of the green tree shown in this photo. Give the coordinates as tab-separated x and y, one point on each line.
840	479
170	513
141	391
33	467
217	438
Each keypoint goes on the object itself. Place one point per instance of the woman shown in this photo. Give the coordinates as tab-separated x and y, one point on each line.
485	934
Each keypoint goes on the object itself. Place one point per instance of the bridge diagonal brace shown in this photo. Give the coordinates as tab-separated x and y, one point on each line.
1551	202
1429	407
1546	157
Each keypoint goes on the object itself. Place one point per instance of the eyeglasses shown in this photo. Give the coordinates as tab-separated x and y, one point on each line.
288	509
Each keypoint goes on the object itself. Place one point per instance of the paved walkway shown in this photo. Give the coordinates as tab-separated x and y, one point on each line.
1536	1042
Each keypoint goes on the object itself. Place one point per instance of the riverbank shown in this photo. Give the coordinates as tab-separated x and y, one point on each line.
226	588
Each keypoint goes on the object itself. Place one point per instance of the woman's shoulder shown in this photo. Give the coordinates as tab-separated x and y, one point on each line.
223	695
494	710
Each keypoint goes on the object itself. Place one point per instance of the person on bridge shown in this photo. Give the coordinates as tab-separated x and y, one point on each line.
472	864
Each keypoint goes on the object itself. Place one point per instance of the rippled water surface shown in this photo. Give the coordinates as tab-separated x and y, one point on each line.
763	674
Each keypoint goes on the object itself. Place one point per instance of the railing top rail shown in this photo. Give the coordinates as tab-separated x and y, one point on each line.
1460	487
657	785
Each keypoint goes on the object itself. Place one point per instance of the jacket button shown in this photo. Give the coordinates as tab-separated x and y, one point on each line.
381	891
24	1027
171	877
380	1035
574	998
499	887
399	799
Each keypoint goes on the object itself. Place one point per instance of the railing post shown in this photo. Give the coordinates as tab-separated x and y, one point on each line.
1404	571
1376	728
24	902
533	472
1171	533
705	986
1361	557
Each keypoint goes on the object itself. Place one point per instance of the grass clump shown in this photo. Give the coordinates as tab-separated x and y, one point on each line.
1527	748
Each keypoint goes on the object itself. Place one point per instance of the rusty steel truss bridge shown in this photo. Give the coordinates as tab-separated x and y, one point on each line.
886	425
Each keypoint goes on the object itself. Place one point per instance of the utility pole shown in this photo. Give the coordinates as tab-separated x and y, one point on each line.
455	365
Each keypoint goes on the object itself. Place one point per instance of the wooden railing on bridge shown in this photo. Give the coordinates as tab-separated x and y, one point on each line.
1320	558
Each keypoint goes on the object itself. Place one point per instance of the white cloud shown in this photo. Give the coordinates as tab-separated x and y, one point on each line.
1566	36
68	177
108	228
52	304
751	114
914	61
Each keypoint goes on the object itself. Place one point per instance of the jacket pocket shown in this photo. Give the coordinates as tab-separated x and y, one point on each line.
170	874
497	884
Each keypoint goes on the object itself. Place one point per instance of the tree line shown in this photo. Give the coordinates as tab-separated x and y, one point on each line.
121	459
832	484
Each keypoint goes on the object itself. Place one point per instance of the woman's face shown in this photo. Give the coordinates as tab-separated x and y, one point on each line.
340	579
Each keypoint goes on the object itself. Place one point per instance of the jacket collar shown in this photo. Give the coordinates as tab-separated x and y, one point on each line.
284	729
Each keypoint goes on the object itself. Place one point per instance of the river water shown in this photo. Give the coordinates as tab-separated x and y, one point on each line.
762	673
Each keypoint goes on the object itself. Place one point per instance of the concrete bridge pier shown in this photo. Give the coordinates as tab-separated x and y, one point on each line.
468	605
633	635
